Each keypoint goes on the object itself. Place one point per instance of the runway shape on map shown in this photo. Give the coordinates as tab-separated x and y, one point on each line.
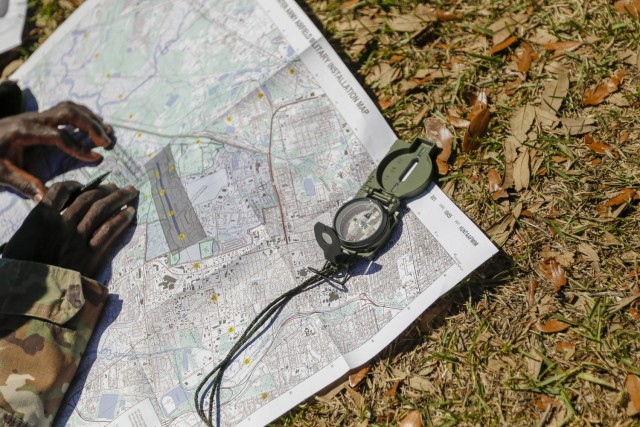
180	224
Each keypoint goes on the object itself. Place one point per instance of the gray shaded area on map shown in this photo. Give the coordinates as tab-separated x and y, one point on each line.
180	224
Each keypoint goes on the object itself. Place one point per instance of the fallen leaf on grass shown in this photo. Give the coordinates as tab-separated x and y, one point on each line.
505	27
552	326
543	402
531	291
578	126
600	147
501	230
567	348
413	419
391	393
553	272
443	138
521	121
478	122
384	74
559	48
386	103
444	16
554	93
503	45
632	7
546	117
456	121
358	399
522	171
597	95
523	57
357	378
421	384
626	195
497	192
407	23
632	385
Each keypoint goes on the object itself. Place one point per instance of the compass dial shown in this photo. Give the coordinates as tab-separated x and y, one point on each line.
360	221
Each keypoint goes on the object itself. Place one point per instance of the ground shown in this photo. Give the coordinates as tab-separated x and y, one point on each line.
535	105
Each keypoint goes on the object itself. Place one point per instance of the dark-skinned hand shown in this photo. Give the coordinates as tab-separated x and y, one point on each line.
79	238
31	129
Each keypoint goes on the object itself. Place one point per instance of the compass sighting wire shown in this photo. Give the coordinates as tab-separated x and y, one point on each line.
273	307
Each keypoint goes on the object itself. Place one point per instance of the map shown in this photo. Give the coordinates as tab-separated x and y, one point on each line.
241	128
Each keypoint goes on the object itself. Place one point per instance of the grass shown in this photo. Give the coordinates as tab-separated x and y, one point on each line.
479	349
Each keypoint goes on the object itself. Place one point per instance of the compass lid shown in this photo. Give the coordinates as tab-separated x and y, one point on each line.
406	170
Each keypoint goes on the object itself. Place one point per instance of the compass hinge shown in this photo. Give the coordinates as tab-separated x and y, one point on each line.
389	201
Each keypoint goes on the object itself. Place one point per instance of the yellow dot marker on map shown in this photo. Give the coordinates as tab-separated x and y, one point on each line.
149	155
139	135
181	236
97	55
229	119
231	329
214	298
162	192
172	168
246	361
108	75
198	141
85	36
264	395
146	197
120	96
196	265
171	213
131	115
157	173
260	95
292	71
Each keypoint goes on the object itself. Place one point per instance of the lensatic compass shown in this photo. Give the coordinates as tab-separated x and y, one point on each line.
364	224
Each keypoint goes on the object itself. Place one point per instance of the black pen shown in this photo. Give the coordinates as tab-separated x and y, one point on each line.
91	185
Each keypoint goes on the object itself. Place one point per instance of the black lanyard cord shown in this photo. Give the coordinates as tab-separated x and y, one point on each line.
257	323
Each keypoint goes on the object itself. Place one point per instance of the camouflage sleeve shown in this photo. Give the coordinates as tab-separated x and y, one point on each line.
47	315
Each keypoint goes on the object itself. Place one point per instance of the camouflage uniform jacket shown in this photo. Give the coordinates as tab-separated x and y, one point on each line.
47	315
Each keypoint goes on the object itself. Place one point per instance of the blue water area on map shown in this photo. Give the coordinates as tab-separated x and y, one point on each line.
265	140
309	187
230	129
172	400
107	406
234	162
172	99
290	52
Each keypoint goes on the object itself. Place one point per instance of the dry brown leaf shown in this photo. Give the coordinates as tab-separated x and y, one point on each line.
503	45
523	57
421	384
386	103
546	118
567	348
512	87
522	171
477	128
502	229
552	271
11	68
554	93
358	399
443	138
521	122
445	16
600	147
531	291
619	100
478	103
578	126
588	251
597	95
497	192
357	378
626	195
346	5
542	36
412	419
391	393
632	385
384	74
634	313
559	48
632	7
552	326
543	402
511	145
456	121
505	27
407	23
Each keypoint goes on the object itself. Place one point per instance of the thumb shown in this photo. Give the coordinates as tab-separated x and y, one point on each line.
21	181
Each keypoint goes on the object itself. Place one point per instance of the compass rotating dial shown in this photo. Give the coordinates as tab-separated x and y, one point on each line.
360	222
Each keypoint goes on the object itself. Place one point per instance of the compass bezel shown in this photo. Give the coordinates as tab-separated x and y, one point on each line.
369	241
